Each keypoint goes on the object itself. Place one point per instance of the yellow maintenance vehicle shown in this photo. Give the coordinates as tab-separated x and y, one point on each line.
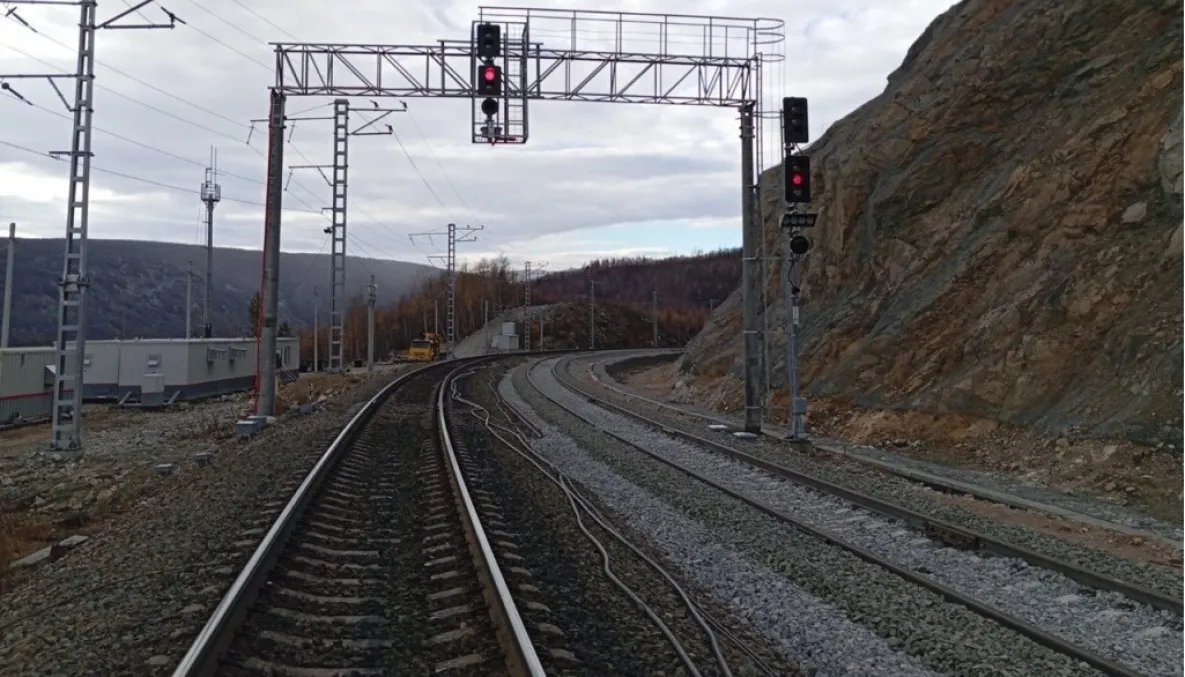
427	348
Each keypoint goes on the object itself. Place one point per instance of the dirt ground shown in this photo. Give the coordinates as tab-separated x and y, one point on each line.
42	502
1124	473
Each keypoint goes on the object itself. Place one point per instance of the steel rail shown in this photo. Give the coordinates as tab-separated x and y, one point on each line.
522	657
933	526
1023	627
215	637
937	482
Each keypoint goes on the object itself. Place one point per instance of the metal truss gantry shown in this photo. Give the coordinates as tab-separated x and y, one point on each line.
562	55
70	344
337	179
467	234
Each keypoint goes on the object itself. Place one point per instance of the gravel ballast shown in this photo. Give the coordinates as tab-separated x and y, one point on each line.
902	492
876	618
610	370
606	631
1135	635
132	598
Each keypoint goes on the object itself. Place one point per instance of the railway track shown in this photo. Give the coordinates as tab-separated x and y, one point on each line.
937	482
379	564
949	534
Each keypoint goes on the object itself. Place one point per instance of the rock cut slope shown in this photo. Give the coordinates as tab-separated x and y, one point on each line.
1000	229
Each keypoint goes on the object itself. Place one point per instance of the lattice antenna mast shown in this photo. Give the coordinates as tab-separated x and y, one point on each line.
66	429
527	305
372	291
592	313
456	235
528	313
654	317
211	195
337	180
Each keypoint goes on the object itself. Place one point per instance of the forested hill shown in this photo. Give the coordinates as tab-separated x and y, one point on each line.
682	282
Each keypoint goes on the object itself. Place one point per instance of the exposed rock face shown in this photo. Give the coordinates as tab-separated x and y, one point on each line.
1000	230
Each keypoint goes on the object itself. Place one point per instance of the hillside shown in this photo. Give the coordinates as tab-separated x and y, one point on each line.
683	282
490	288
1000	230
138	287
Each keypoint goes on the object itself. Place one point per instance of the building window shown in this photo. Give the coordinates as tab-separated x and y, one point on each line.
153	361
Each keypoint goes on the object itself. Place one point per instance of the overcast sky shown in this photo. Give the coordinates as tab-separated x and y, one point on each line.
594	180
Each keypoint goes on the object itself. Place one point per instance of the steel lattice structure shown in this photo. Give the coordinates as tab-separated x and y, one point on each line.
564	55
70	344
337	179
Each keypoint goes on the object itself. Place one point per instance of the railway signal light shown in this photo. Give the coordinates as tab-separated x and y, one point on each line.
794	120
489	80
489	41
798	178
799	245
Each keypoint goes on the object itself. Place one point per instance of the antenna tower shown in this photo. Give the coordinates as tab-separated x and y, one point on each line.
211	195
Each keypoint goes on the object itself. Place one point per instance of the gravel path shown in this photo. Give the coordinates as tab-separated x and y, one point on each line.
132	598
1141	637
907	494
823	605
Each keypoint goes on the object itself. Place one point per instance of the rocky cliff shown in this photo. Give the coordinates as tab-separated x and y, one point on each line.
1000	230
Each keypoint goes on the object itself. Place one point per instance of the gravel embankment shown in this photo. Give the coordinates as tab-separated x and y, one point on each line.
1082	504
606	631
826	608
1107	623
907	494
132	598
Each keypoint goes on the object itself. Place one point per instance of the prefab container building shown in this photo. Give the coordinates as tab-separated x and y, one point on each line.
26	383
504	342
189	368
100	377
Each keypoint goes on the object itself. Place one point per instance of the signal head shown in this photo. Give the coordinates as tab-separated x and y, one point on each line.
798	178
489	79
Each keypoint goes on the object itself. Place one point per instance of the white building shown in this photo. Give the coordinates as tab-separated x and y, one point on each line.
190	368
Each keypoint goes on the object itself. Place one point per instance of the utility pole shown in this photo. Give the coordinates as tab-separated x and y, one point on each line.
592	314
211	195
265	355
8	275
371	299
316	331
70	344
527	306
436	316
654	317
751	237
339	185
188	300
450	257
485	321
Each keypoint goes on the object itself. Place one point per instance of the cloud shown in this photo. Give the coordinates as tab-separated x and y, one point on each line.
164	98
